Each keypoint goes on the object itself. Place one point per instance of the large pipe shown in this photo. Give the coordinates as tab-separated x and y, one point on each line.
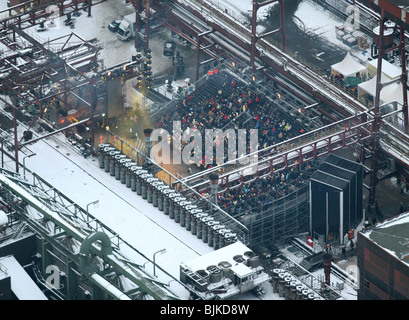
147	133
214	186
108	287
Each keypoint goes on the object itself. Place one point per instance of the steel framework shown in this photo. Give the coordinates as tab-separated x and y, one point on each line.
88	252
36	74
227	28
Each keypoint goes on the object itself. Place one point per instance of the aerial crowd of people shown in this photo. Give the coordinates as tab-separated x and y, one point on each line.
225	102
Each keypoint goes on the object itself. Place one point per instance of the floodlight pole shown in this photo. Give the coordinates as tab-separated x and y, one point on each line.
154	263
24	164
94	203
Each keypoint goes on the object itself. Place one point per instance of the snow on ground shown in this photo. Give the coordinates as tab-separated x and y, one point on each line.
114	50
133	218
312	18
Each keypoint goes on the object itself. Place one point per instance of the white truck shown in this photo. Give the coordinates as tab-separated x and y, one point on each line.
126	30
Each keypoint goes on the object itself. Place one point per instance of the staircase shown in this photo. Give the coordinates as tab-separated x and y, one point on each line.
19	231
302	268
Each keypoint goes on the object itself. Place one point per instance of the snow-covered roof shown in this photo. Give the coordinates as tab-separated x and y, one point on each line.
348	66
392	236
394	93
241	270
21	283
225	254
369	86
389	93
388	69
3	218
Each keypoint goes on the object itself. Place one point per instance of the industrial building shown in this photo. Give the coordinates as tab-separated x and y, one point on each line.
86	213
383	260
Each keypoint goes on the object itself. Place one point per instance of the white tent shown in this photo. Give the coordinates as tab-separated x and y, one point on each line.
388	69
395	93
389	92
369	87
348	67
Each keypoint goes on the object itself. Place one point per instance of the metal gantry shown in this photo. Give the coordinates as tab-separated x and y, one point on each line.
47	76
88	252
255	37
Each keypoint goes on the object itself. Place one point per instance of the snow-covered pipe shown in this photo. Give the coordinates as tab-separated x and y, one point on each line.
107	287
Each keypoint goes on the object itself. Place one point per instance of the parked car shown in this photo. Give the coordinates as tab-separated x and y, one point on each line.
113	26
169	48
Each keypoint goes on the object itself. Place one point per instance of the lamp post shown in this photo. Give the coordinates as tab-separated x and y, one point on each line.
24	164
95	203
154	264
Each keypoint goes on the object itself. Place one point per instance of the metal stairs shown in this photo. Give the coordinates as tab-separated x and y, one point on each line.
19	231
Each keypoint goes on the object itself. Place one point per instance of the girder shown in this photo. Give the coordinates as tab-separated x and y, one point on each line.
276	56
46	203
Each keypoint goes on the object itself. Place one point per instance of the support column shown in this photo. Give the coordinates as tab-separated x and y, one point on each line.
377	116
147	133
404	79
72	285
15	138
197	57
137	23
254	37
147	18
93	103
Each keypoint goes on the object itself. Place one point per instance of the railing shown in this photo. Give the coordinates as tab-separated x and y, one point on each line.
174	182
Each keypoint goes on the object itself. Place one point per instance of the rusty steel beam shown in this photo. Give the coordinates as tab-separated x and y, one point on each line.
255	37
54	132
36	14
377	117
55	66
404	77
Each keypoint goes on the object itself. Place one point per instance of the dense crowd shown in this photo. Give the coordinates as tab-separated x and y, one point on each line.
225	102
259	195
